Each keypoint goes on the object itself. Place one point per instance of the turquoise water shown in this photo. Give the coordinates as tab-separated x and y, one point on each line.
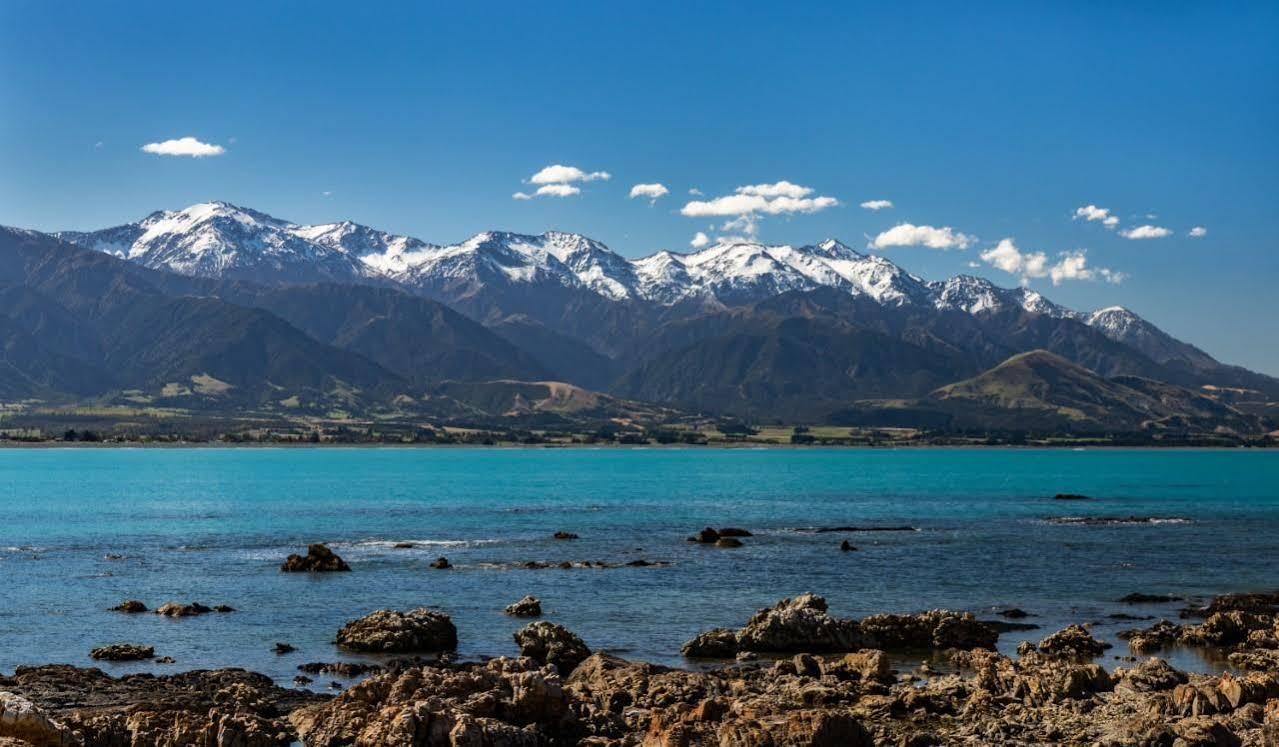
212	525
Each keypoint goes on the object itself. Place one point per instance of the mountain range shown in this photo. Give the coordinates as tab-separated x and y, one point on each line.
219	306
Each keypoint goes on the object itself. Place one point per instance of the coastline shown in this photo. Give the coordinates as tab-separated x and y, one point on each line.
794	674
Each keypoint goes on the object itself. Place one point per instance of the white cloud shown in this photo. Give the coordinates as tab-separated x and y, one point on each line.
748	202
696	192
651	191
521	196
1094	213
906	234
877	204
776	189
699	240
184	146
559	174
1146	232
557	190
327	193
1027	265
1198	232
97	145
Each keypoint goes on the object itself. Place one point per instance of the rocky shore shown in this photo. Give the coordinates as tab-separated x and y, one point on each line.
793	674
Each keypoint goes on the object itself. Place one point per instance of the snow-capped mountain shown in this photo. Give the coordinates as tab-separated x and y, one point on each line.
218	239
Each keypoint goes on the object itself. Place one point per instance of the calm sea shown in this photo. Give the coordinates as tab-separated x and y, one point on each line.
212	525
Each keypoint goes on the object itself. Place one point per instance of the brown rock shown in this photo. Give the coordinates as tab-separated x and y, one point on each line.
390	631
131	606
175	609
728	542
1073	641
529	606
548	643
21	720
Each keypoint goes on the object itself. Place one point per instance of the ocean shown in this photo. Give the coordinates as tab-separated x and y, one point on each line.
86	528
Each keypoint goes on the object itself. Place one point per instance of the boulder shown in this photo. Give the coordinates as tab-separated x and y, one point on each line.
21	720
548	643
318	558
565	536
1151	675
390	631
734	532
441	563
131	606
529	606
283	648
846	546
719	643
122	652
1073	641
728	542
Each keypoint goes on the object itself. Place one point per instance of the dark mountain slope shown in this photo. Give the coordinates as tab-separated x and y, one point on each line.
148	340
417	338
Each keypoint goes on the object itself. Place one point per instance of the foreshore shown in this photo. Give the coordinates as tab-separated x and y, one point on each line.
793	674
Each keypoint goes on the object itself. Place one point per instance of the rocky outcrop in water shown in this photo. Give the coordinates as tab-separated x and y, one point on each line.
122	652
529	606
131	606
318	559
393	632
804	624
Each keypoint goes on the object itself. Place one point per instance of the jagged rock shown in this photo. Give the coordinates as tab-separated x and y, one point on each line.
318	558
813	728
799	624
175	609
1262	660
122	652
441	563
565	536
1157	636
1224	628
391	631
21	720
719	643
131	606
529	606
1073	641
941	629
548	643
283	648
217	708
1151	675
847	546
498	703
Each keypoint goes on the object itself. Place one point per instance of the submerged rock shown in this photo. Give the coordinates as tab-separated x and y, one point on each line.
122	652
131	606
441	563
1071	497
707	536
318	559
529	606
391	631
734	532
283	648
728	542
548	643
847	546
565	536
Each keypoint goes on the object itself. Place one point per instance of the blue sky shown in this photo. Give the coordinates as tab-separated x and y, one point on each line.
996	120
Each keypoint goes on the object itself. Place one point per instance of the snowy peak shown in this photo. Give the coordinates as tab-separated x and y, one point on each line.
974	295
